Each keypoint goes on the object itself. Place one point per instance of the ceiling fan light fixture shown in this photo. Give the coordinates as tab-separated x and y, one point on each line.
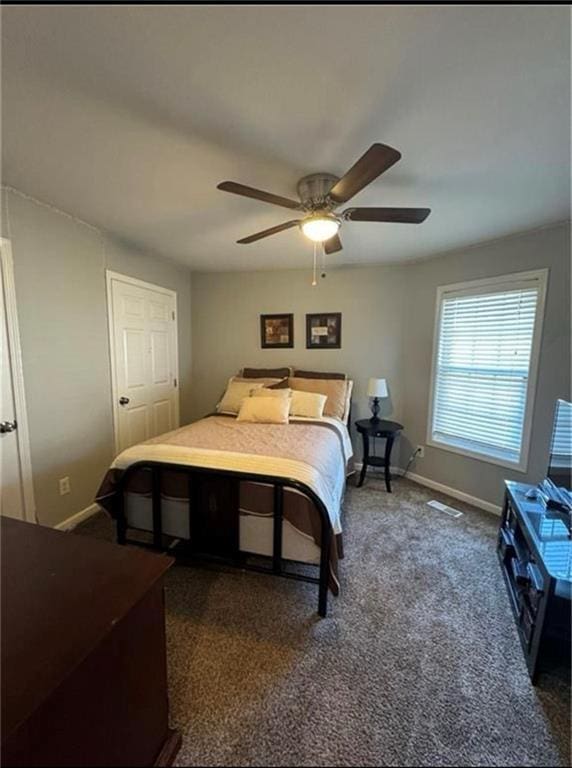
321	227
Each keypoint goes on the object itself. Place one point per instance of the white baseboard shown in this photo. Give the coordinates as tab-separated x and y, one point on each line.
71	522
456	494
446	489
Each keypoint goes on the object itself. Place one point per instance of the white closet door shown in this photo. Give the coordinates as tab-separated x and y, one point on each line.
144	360
16	495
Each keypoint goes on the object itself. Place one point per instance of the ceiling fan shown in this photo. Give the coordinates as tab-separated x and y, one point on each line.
322	193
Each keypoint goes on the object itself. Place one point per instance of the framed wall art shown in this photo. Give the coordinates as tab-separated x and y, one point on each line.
276	331
324	330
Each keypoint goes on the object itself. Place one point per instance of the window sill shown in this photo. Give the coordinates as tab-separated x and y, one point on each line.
520	466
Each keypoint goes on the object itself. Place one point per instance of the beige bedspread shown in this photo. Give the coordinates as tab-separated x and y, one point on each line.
314	452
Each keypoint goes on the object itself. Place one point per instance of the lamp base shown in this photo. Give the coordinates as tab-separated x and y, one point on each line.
375	409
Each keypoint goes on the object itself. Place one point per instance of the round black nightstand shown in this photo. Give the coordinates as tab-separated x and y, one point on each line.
377	428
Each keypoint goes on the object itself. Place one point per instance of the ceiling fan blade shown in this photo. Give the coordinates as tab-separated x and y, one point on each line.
333	245
268	232
258	194
401	215
377	159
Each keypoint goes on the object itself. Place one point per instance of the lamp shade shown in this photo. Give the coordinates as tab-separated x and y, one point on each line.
377	388
320	228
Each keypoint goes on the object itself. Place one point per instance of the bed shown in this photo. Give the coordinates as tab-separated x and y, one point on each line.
261	496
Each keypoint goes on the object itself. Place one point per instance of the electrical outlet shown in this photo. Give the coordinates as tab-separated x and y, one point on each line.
64	486
420	451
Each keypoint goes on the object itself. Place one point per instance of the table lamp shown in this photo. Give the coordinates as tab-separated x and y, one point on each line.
376	388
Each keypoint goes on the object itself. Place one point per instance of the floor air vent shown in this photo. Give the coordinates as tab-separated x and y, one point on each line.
444	508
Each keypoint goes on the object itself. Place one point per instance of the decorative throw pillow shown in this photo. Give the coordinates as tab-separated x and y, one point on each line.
334	389
235	393
265	373
264	410
309	404
272	392
282	384
266	381
317	375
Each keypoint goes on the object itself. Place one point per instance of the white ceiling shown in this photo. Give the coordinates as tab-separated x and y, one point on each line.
128	117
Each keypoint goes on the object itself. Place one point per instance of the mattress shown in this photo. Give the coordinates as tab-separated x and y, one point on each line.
256	531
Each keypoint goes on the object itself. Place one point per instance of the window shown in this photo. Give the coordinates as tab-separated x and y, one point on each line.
484	367
560	469
561	447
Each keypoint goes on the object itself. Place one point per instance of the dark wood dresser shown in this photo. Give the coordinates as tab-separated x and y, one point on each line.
84	675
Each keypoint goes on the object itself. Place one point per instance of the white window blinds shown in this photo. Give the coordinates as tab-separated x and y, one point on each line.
482	367
561	449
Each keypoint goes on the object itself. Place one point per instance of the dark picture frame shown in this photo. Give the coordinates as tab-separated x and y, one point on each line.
277	331
324	330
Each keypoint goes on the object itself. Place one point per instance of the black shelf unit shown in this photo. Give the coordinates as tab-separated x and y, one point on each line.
535	553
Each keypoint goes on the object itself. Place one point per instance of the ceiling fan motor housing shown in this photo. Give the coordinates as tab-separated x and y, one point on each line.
314	189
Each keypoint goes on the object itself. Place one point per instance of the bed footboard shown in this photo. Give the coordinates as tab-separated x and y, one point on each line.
213	528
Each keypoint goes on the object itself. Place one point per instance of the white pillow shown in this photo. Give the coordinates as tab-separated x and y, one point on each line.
309	404
348	404
264	410
235	393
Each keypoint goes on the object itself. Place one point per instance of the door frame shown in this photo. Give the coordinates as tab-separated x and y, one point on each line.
110	276
17	372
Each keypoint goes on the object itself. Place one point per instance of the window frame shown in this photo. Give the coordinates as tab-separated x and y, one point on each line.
476	287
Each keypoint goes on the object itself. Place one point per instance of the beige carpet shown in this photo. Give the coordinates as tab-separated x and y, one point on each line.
418	662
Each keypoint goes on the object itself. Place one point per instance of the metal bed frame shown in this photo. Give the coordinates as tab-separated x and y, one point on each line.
279	484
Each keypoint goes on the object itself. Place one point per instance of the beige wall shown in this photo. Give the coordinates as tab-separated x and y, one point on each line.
59	266
543	248
388	316
388	319
226	328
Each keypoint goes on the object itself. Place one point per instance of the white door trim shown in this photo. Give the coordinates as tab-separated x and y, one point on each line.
17	370
110	276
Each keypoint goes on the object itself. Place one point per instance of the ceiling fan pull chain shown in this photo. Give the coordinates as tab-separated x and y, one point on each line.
323	274
314	283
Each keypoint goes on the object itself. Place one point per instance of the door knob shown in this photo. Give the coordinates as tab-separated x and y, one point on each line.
123	400
8	426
